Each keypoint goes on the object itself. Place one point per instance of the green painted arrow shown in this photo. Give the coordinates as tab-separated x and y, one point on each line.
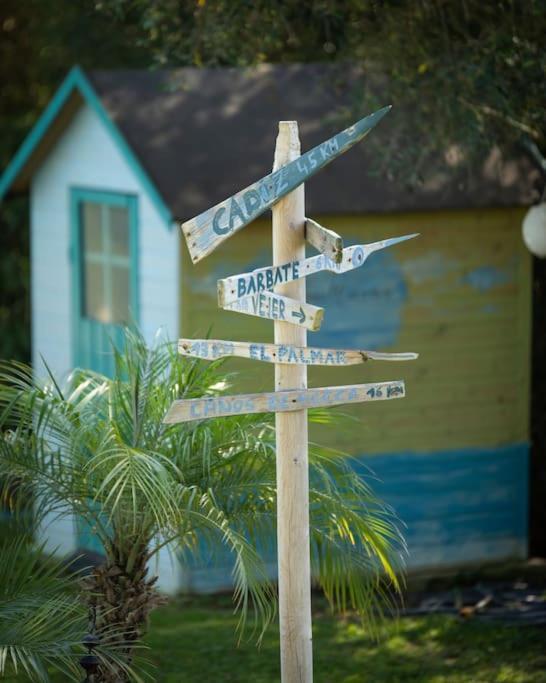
299	315
206	231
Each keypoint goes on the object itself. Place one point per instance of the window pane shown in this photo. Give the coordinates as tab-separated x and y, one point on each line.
105	262
92	229
120	294
119	230
94	304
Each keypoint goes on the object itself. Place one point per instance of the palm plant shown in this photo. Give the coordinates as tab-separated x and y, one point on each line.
98	448
41	620
43	623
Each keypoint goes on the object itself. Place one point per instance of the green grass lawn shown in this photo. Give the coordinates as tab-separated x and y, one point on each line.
194	641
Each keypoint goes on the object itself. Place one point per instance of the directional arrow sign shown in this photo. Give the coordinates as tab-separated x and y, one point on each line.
262	279
206	231
211	349
281	401
299	315
277	307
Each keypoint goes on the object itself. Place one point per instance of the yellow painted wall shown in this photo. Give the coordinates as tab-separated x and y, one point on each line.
462	300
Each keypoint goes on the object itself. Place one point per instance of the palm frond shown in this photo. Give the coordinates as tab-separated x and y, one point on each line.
358	551
41	619
97	447
207	522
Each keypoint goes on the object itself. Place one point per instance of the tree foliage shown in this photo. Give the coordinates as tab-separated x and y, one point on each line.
469	73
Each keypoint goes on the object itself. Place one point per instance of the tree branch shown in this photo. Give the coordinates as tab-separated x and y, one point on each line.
489	111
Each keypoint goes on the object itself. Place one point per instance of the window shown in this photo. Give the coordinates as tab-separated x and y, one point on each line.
105	262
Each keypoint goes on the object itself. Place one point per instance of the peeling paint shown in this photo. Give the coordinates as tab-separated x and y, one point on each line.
485	278
432	265
372	299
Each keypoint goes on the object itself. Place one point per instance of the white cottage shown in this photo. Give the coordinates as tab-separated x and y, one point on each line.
103	249
117	158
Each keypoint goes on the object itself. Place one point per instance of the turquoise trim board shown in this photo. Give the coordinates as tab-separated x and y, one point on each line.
458	507
77	80
91	338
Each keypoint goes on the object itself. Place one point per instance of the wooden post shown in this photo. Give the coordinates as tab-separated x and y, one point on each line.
292	439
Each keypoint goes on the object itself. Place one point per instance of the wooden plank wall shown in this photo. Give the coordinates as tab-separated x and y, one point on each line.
459	295
460	507
452	456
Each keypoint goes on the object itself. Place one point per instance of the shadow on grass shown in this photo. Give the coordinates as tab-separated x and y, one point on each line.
194	640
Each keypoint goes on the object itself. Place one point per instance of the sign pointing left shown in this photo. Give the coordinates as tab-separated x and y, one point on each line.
206	231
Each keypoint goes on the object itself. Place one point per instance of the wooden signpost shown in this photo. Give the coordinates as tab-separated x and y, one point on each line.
212	349
277	307
277	293
326	241
206	231
281	401
236	287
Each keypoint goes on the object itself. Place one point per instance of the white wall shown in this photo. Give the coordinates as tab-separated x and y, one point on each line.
87	157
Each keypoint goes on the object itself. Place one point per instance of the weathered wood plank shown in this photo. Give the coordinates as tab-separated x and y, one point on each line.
212	349
277	307
291	439
206	231
263	279
184	410
326	241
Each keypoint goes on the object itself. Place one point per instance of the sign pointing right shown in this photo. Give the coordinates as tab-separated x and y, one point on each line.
184	410
300	315
278	307
212	349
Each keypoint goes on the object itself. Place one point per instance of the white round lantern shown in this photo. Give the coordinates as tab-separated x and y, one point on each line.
534	230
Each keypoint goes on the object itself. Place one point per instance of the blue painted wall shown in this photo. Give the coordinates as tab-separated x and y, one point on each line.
459	507
456	508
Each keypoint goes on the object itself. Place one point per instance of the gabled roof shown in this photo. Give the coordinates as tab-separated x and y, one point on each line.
196	136
73	92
